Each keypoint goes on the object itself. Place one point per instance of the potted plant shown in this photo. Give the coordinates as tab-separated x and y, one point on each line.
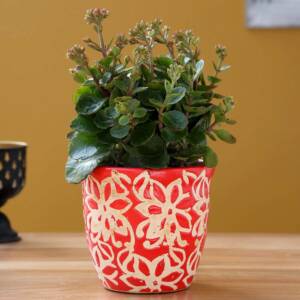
139	147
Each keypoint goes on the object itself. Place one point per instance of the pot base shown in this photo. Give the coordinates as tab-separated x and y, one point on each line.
146	293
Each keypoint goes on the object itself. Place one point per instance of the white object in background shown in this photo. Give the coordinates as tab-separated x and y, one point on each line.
273	13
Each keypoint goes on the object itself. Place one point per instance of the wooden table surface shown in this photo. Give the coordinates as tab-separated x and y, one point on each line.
58	266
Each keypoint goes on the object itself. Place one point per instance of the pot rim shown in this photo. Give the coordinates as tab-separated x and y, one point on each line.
9	145
154	169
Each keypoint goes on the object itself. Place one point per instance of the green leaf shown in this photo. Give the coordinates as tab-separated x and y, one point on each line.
84	145
140	112
175	120
204	122
119	68
111	112
122	83
213	79
198	69
78	169
115	51
200	96
198	102
175	96
115	93
142	133
229	103
197	136
210	157
163	61
79	76
84	124
95	72
123	120
122	99
106	138
153	147
142	120
156	85
156	103
168	86
82	90
103	119
219	114
89	104
119	132
154	161
225	136
230	122
139	90
89	82
204	88
200	110
105	62
148	75
218	96
170	135
105	78
153	154
191	153
211	136
133	104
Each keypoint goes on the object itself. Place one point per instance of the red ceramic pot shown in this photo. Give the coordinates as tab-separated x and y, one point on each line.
146	228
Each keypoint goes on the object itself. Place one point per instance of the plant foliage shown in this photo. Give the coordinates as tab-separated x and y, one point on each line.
144	110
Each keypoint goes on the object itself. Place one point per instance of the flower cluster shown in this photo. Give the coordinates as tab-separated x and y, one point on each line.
77	54
96	15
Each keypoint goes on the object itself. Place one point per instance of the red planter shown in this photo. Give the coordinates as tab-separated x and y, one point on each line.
146	228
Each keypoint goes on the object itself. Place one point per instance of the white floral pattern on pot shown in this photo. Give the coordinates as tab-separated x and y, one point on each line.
146	236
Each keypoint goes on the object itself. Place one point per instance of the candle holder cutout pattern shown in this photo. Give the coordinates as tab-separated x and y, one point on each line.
12	180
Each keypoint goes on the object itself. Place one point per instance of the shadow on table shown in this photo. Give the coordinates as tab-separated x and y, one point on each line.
197	291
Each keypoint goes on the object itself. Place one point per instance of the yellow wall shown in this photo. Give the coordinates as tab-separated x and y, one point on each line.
256	186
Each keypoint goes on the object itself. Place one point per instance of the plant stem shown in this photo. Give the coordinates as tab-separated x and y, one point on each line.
103	91
101	41
160	122
219	65
170	47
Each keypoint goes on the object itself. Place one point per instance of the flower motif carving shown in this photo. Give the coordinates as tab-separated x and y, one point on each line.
165	208
103	257
200	192
151	276
107	202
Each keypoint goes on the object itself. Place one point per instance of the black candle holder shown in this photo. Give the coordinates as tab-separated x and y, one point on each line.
12	180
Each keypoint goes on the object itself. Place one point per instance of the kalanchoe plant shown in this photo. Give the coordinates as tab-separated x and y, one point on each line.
145	111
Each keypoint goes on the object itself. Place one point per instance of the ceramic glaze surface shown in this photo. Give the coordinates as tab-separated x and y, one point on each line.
12	171
146	229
